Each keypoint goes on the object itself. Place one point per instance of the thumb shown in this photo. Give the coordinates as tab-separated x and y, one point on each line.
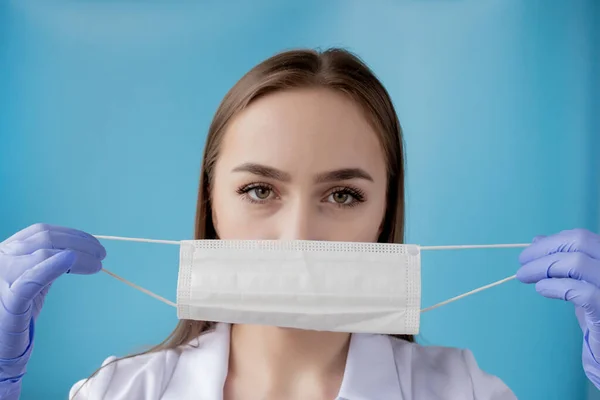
581	294
27	286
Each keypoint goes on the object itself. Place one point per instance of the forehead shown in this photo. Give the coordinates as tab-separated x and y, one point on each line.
303	130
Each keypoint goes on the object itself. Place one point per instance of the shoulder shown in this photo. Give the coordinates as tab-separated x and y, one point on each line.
194	369
142	376
453	370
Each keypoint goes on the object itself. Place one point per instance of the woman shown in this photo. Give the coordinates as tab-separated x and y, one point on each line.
307	145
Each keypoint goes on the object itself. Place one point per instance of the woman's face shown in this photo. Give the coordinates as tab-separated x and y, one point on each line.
301	164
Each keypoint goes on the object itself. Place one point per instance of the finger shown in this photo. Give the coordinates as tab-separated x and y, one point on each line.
54	240
36	228
34	280
84	264
576	240
581	294
561	265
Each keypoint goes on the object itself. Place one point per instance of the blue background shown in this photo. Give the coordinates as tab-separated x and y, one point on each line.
104	107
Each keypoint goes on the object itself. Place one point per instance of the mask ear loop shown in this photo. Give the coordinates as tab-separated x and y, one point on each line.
426	248
125	281
462	296
128	239
479	289
141	289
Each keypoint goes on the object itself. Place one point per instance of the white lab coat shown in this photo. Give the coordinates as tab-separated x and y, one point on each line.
378	367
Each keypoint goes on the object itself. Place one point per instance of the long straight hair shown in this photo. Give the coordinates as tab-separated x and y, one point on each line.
335	69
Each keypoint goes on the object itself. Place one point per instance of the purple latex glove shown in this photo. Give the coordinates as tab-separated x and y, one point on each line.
30	261
566	266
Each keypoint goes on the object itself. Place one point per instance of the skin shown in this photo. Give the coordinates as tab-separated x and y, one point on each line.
275	179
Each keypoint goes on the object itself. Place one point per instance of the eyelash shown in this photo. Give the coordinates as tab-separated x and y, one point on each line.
244	190
357	194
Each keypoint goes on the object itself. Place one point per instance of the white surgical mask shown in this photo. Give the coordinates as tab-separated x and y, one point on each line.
325	286
335	286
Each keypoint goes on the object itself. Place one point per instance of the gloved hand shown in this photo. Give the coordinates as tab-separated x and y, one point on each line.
30	261
566	266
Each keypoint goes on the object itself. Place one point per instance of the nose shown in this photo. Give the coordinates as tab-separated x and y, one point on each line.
301	222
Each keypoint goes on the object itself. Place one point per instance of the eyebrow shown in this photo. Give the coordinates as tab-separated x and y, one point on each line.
263	170
343	174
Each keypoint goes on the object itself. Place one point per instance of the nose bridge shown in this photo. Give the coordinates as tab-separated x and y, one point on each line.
300	222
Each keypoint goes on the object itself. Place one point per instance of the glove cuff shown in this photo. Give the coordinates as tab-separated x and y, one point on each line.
10	389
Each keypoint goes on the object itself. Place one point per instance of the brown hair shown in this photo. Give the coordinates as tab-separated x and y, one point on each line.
336	69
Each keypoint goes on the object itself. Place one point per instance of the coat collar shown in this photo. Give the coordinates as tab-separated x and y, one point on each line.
370	372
